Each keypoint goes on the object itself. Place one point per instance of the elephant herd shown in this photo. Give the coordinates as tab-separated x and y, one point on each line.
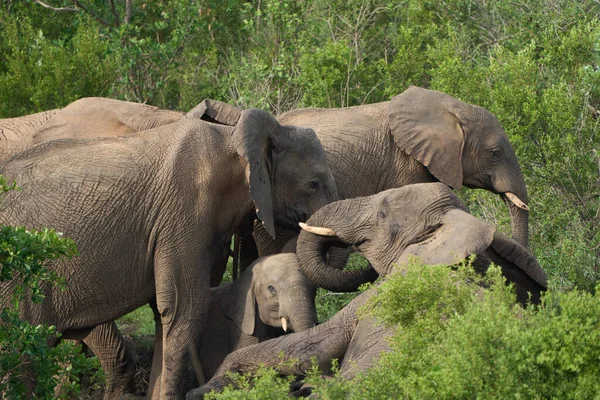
153	197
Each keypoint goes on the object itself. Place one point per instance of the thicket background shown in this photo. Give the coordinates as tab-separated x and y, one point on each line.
534	63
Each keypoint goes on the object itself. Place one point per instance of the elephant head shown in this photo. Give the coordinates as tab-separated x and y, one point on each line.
277	290
290	156
461	144
425	220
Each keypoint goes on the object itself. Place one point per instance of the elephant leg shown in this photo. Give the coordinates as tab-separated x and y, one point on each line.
220	259
182	299
248	252
108	345
155	375
369	341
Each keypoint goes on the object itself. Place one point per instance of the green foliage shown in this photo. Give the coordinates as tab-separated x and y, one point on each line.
266	384
38	73
26	349
487	347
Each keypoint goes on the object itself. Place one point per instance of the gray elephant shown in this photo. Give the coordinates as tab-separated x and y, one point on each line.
151	213
271	297
423	220
419	136
89	117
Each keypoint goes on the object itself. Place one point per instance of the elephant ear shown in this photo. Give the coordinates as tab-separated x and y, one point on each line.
519	266
239	304
427	126
459	236
253	139
215	111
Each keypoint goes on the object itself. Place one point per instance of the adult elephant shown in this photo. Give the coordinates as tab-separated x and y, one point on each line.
422	220
419	136
89	117
151	213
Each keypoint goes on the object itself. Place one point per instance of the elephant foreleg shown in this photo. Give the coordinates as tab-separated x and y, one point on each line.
369	340
107	343
182	299
155	375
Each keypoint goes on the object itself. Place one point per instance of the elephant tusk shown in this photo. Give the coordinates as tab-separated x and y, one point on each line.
516	201
284	324
318	230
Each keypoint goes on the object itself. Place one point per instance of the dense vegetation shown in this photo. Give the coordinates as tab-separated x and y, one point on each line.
534	63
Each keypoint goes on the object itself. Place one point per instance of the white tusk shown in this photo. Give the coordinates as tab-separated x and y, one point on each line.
284	324
516	201
318	230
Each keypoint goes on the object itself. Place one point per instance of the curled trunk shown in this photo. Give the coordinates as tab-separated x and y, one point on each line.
349	219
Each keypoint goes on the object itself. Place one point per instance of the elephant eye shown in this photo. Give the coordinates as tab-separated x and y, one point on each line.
496	154
272	290
314	185
382	214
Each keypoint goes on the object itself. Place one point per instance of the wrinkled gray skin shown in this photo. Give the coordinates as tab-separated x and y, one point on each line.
248	311
151	214
419	136
89	117
424	220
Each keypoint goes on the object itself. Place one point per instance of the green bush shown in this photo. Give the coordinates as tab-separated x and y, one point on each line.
26	350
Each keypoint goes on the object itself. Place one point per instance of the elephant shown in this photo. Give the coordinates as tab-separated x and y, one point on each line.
151	213
423	220
89	117
419	136
270	297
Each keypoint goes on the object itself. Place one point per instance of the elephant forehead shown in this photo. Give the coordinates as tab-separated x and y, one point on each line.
419	195
278	266
304	139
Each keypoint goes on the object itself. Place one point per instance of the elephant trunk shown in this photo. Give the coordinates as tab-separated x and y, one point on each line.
519	223
300	311
514	193
348	219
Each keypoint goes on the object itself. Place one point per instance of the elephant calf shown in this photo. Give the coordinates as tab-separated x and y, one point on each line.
271	295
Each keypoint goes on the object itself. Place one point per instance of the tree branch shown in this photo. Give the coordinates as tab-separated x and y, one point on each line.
114	13
102	21
128	11
57	9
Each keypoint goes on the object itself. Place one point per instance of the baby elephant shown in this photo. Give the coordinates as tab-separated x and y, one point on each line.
270	297
273	293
